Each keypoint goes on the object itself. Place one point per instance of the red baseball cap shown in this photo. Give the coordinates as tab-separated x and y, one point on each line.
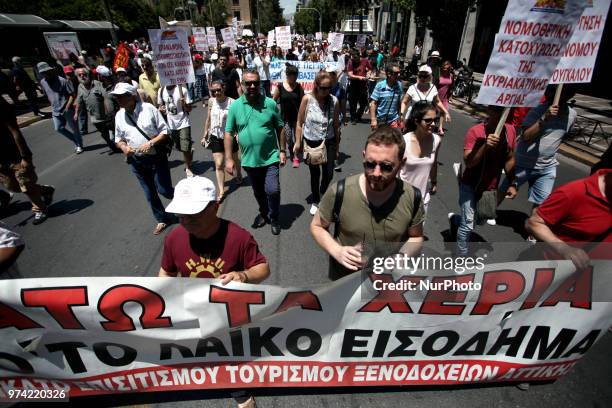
68	69
197	56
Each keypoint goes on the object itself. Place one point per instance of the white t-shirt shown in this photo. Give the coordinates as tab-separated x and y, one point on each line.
218	116
416	96
165	96
9	239
147	117
415	170
262	66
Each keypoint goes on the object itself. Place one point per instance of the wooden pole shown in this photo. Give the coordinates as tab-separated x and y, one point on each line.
558	94
502	121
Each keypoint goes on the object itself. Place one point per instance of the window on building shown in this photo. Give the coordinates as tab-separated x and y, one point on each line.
236	2
237	14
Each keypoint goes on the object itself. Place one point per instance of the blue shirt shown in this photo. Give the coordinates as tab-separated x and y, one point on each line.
58	90
387	101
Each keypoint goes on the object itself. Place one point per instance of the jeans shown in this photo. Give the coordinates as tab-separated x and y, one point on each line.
265	88
67	118
541	182
317	189
153	174
83	122
200	88
357	95
266	187
467	203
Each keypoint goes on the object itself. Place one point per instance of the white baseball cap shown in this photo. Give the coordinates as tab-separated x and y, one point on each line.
435	54
120	69
103	70
425	68
122	88
192	195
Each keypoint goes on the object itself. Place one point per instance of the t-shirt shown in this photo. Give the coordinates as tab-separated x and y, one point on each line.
230	77
230	249
58	90
94	100
416	96
359	70
164	97
578	212
256	126
149	87
493	160
541	152
290	102
387	101
262	64
360	222
10	239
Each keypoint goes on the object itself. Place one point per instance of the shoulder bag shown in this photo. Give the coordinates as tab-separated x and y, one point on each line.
164	147
314	156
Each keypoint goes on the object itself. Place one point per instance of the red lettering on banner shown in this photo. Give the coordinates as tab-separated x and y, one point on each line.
58	302
537	29
9	317
498	288
237	303
393	299
434	302
112	301
543	279
306	300
589	23
585	49
576	289
572	75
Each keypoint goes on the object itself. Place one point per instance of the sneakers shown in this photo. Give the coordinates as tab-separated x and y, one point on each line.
275	227
313	209
188	172
532	240
491	221
296	162
47	195
337	166
78	150
159	228
250	403
260	221
39	217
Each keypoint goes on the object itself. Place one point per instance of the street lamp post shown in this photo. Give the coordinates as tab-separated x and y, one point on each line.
318	12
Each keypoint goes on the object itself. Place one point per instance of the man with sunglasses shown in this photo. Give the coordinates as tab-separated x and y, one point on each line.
375	207
385	102
261	138
231	80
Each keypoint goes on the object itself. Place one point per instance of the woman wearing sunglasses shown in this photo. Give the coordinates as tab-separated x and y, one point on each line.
318	125
214	129
423	90
289	94
421	154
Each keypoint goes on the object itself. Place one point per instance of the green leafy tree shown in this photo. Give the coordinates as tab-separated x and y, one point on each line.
270	15
218	18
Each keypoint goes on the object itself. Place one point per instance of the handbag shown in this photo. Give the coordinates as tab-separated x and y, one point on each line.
314	156
164	147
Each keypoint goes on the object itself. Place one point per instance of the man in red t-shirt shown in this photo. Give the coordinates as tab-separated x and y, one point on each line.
358	69
206	246
485	154
578	212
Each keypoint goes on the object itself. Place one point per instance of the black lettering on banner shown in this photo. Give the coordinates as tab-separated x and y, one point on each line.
381	343
585	344
237	343
259	341
22	365
452	338
71	354
513	342
349	342
101	350
479	341
211	345
404	336
165	351
539	341
314	346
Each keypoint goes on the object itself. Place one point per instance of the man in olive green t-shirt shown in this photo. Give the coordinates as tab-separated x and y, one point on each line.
257	121
377	207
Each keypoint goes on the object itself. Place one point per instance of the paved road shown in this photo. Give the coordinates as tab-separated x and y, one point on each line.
100	225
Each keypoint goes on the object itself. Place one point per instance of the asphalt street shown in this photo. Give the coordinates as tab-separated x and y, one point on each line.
101	225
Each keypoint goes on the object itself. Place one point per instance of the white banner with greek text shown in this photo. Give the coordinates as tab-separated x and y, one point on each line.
172	56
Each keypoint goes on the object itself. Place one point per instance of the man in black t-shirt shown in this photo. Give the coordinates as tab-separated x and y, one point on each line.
229	76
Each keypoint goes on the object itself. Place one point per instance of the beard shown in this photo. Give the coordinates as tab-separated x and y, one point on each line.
379	183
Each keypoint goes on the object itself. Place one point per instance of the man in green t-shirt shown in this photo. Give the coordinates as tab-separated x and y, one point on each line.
377	208
257	121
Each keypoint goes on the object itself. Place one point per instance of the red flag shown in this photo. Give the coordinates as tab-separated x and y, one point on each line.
121	57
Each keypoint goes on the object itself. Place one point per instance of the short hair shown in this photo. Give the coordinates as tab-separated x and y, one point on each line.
218	82
250	71
417	114
291	70
389	67
388	136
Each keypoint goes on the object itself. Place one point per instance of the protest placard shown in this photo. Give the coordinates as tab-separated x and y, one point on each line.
318	36
172	56
361	41
164	334
228	38
307	72
283	37
62	45
335	41
211	37
580	53
526	51
270	38
200	39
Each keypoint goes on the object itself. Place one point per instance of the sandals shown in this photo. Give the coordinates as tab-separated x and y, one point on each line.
159	228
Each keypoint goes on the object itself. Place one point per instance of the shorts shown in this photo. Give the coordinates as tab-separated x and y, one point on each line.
541	182
17	178
216	145
181	138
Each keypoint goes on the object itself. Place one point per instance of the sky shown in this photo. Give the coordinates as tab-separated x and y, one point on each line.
288	5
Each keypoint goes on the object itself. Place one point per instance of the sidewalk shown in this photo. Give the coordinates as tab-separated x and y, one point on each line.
591	132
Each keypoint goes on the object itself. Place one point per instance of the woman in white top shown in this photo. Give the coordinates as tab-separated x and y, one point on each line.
422	146
423	90
318	123
214	129
262	64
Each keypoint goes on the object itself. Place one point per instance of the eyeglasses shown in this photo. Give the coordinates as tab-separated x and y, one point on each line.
423	75
214	91
384	167
429	121
251	83
393	73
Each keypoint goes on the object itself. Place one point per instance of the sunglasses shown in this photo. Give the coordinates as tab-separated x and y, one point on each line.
214	91
384	167
251	83
429	121
325	88
393	73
